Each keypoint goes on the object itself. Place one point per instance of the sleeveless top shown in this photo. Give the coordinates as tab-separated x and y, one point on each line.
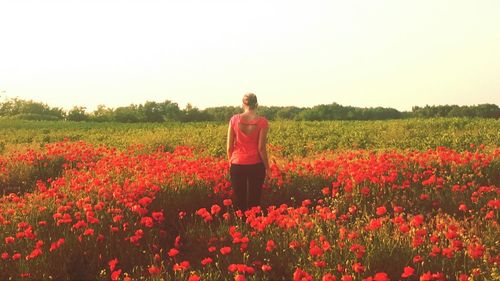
246	147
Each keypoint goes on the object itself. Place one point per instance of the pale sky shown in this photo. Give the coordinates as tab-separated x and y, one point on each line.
209	53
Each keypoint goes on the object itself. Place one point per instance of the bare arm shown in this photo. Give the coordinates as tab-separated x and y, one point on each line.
263	147
230	142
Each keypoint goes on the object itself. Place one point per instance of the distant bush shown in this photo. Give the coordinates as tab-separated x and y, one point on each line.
36	117
168	111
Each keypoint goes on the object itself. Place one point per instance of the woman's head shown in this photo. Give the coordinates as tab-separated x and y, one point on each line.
250	100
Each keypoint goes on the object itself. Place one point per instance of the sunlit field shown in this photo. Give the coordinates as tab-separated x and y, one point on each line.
346	200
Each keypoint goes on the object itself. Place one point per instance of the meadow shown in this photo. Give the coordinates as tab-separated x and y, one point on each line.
347	200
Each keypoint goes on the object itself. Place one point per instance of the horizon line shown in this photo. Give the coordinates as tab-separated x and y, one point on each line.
6	98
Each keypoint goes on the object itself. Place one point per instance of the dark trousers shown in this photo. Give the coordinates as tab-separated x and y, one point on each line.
247	183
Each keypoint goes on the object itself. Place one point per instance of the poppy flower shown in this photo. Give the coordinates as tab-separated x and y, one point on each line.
225	250
301	275
112	264
417	259
173	252
381	211
475	251
154	270
115	275
329	277
357	267
407	272
346	278
240	277
315	251
381	276
270	245
206	261
266	267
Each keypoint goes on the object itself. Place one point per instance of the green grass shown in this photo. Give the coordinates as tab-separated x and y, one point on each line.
287	138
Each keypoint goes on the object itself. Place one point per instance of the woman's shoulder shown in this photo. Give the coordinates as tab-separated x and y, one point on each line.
234	117
263	121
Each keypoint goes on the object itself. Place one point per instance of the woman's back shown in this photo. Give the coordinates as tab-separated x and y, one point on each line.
246	146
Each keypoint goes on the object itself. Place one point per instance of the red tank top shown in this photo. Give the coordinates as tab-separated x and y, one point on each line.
246	146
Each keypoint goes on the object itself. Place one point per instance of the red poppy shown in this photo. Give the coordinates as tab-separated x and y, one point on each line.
381	276
88	232
181	266
227	202
225	250
215	209
301	275
417	259
153	270
381	211
147	222
475	251
270	245
240	277
407	272
112	264
173	252
357	267
315	251
266	267
206	261
329	277
115	275
158	216
346	278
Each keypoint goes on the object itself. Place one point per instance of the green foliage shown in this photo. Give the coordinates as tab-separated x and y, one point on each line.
102	114
286	138
30	110
336	111
193	114
480	110
77	113
156	112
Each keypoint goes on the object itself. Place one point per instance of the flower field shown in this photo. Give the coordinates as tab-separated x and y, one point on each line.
73	210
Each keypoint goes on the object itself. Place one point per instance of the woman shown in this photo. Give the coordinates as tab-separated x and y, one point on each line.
247	153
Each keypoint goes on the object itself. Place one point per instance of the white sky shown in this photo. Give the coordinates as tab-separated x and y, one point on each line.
360	53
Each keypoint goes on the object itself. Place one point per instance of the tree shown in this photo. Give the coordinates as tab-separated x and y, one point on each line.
77	113
102	114
170	111
488	110
127	114
30	110
288	113
192	113
153	112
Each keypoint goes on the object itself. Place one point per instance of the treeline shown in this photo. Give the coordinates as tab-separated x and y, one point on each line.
166	111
